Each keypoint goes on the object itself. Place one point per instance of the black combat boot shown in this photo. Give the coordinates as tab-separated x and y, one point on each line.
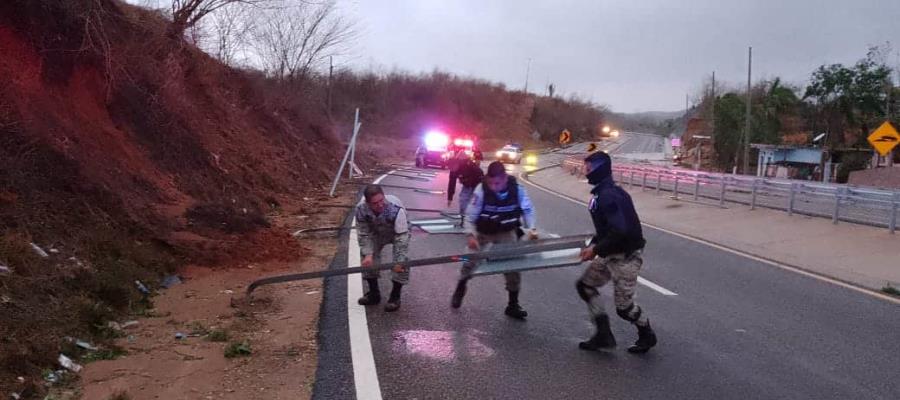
646	340
458	294
393	303
373	296
603	339
514	310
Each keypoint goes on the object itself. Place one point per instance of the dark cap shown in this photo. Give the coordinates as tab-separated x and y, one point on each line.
496	169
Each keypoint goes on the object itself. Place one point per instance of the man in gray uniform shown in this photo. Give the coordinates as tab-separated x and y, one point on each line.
494	217
381	220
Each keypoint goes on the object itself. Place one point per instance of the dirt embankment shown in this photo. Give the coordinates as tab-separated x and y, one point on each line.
124	156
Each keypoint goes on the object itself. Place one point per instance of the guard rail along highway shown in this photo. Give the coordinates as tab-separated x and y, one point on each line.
867	206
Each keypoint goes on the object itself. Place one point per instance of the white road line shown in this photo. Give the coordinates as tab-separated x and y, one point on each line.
365	375
643	281
743	254
660	289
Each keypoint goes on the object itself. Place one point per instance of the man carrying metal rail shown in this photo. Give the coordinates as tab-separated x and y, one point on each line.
381	220
615	254
495	217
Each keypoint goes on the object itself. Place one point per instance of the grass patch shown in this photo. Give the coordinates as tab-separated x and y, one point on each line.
217	335
103	354
888	289
197	328
238	349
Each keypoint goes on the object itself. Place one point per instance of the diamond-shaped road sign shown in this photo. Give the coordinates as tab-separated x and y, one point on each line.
884	139
565	136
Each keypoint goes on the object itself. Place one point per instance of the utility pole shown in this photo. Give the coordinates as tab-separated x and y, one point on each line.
527	72
746	150
713	119
686	109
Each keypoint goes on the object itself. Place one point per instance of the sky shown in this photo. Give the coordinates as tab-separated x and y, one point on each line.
639	55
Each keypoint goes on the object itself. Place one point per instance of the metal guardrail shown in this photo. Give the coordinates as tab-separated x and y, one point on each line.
867	206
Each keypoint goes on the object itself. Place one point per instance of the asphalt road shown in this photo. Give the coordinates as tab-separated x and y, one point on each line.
736	329
640	143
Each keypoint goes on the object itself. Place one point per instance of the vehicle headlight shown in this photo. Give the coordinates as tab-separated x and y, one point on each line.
499	154
531	159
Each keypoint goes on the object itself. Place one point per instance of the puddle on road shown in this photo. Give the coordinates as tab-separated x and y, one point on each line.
441	345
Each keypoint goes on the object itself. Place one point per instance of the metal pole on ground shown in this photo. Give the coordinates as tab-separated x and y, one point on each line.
696	187
658	181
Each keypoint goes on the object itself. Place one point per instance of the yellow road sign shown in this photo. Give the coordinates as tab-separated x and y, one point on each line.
565	136
884	139
592	147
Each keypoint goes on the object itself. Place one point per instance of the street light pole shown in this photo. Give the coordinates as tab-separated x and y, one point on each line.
527	72
746	165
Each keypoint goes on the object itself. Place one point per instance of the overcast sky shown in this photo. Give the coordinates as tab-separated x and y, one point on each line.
640	55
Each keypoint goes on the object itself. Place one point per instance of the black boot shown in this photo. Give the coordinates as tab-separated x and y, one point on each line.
458	294
514	309
373	296
646	340
603	339
393	303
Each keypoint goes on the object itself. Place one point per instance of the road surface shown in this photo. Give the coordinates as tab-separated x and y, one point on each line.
735	328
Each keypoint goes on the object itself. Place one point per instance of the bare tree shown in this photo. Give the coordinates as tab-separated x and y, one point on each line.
230	29
291	42
187	13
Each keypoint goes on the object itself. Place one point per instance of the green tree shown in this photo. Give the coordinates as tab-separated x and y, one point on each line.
851	98
729	117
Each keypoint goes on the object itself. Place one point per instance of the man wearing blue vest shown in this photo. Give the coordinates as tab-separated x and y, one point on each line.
495	215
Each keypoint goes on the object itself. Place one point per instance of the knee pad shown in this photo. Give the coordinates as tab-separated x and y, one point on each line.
630	314
585	291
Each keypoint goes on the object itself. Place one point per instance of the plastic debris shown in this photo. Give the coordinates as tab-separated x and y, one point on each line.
21	379
114	325
141	288
68	364
15	396
129	324
37	249
54	377
180	336
170	281
86	345
5	270
54	251
228	291
131	339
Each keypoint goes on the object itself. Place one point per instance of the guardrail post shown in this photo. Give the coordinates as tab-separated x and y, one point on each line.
753	195
722	193
894	205
644	182
696	187
658	181
631	181
791	199
835	215
675	190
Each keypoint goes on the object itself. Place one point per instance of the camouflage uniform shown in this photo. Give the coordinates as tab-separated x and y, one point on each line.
378	231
